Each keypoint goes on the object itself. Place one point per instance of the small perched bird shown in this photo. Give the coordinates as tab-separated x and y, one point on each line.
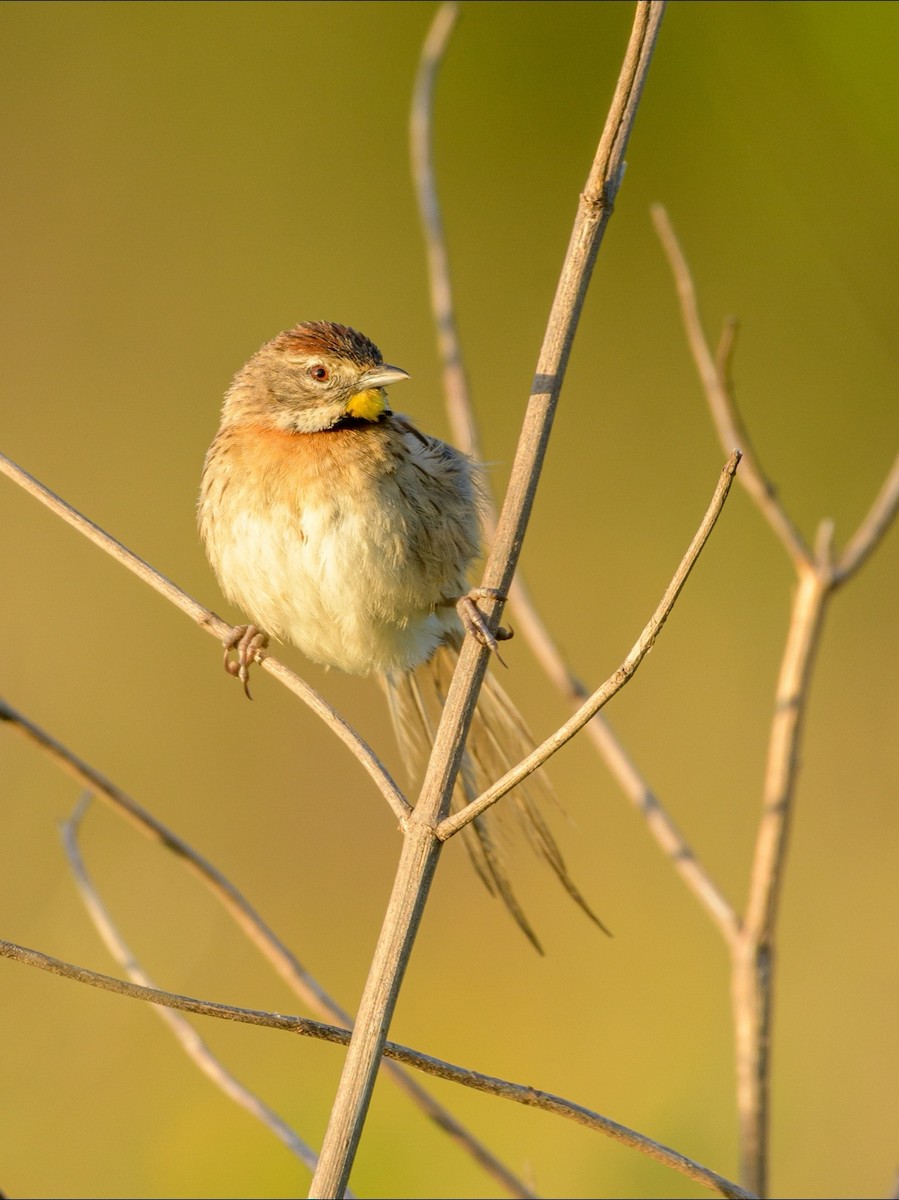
335	524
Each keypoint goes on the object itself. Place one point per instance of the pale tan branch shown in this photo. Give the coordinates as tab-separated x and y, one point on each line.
239	908
421	849
266	941
790	702
520	1093
663	827
720	398
819	574
753	950
615	682
872	528
185	1034
528	622
217	627
455	382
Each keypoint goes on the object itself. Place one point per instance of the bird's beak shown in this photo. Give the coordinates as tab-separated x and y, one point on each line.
381	376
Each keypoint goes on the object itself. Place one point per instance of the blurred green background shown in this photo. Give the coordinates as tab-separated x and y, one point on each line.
184	180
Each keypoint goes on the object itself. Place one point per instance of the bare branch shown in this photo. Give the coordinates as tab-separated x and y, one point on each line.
528	622
753	950
872	528
615	682
752	942
267	942
455	382
520	1093
720	398
421	849
217	627
190	1041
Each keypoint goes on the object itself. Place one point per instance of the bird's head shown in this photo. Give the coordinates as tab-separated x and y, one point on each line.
314	377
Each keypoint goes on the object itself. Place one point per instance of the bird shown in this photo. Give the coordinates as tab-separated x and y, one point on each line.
335	524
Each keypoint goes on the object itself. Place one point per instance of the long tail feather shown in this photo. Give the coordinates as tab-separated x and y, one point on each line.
498	739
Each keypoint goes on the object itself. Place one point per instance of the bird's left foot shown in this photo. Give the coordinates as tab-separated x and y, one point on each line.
474	622
249	643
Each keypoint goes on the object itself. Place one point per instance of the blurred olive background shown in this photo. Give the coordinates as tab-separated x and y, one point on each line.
184	180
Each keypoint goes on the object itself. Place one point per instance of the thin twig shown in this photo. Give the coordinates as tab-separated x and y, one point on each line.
188	1038
217	627
721	401
455	382
819	574
528	623
421	849
872	528
753	951
615	682
520	1093
281	958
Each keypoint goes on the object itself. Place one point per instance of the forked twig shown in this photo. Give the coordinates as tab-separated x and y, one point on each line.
615	682
519	1093
819	574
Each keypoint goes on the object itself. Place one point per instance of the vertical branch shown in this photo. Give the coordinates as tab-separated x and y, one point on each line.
819	573
421	847
752	961
421	151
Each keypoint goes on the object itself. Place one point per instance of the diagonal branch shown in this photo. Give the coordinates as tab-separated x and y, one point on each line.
720	397
871	529
216	626
266	941
615	682
520	1093
188	1038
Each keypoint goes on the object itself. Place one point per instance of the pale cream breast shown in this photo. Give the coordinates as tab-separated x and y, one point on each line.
337	542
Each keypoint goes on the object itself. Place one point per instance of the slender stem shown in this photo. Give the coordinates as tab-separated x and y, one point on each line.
528	621
455	381
489	1084
722	404
615	682
873	527
184	1033
278	954
819	574
753	962
422	847
216	626
663	828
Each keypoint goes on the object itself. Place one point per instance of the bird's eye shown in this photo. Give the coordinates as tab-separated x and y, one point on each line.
319	372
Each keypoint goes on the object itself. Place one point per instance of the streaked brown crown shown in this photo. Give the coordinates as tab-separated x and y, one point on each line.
328	338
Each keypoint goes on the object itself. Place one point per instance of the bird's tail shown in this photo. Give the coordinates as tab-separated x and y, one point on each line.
497	740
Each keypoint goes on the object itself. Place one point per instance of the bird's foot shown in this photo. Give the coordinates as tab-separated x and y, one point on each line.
473	619
249	643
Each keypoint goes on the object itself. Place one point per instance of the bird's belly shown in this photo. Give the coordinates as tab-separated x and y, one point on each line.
339	586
